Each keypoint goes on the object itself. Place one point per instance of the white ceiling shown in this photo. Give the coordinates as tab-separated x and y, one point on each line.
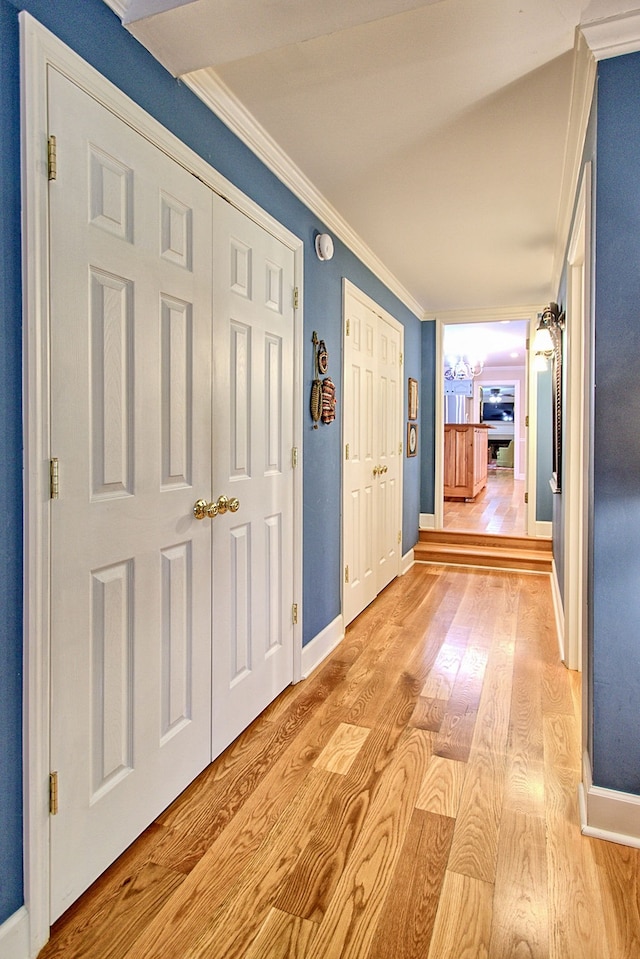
436	129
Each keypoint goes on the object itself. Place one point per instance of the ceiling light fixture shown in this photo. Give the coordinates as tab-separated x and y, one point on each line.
463	367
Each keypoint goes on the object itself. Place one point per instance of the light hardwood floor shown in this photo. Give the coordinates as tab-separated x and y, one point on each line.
498	508
416	798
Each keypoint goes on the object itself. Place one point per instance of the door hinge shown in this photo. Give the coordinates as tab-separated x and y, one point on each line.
401	358
346	574
527	342
400	449
52	158
346	452
526	497
53	794
294	614
54	479
294	457
296	298
348	327
399	536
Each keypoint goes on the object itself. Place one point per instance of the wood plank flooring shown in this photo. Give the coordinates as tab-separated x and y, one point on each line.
498	508
416	798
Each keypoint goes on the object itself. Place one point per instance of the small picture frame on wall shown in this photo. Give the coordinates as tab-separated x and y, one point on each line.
413	399
412	439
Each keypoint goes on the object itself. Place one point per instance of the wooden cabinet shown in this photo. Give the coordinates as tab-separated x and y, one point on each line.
465	459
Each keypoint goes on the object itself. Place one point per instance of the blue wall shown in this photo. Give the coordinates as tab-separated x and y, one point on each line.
616	486
93	31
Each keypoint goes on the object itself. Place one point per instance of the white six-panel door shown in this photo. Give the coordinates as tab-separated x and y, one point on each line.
372	502
163	392
252	464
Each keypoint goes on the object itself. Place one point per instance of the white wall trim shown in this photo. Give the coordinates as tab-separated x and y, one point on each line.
406	562
40	49
544	529
613	36
221	101
317	650
558	609
582	89
14	936
607	813
427	521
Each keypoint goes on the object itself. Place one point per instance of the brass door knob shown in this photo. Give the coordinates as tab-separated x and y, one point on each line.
224	504
202	508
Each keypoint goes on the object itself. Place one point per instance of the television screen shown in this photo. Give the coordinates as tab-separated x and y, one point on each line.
497	411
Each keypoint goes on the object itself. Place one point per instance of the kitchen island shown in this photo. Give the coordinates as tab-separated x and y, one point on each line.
465	459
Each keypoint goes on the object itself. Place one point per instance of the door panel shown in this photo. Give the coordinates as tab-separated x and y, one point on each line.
253	440
372	502
130	334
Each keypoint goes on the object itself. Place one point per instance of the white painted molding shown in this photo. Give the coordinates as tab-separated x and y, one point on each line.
427	521
407	562
544	529
607	813
558	609
613	36
221	101
14	936
582	90
317	650
119	7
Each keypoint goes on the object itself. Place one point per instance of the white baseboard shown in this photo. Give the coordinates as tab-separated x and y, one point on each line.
321	645
543	529
606	813
14	936
558	609
427	521
406	562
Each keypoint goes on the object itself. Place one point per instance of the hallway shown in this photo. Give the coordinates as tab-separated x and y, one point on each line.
416	798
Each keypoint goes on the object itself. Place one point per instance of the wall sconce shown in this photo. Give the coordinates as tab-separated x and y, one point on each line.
551	323
324	246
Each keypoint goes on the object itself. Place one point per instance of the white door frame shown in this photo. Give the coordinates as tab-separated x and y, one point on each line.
528	314
578	424
39	50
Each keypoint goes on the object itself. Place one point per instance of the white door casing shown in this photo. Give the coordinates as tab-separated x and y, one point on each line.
130	427
372	435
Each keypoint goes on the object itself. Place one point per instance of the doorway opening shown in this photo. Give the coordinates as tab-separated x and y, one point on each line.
483	381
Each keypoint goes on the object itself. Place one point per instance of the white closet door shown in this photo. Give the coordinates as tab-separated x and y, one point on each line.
372	476
130	335
389	412
252	463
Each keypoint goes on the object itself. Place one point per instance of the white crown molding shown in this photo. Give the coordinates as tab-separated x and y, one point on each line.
613	36
598	40
119	7
219	98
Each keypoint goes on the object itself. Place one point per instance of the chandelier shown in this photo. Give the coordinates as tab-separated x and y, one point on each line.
463	367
